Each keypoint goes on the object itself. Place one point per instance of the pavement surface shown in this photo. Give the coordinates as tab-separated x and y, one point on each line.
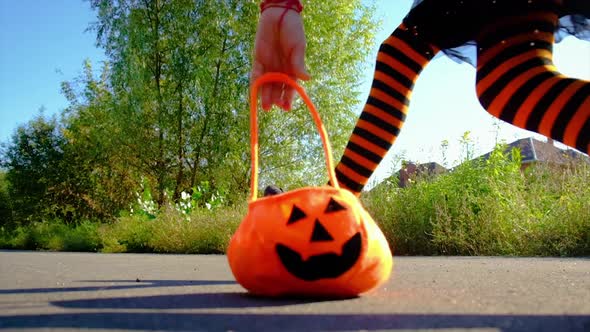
41	291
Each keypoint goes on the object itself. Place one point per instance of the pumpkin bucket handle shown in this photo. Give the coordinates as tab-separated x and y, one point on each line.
282	78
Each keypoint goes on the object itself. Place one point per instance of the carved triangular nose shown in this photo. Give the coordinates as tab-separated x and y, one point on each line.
320	233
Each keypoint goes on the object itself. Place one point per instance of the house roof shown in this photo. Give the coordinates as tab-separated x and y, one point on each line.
533	150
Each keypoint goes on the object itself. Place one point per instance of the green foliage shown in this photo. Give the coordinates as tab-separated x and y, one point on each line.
33	160
489	207
128	234
168	110
201	197
340	37
145	206
52	235
99	171
205	231
179	77
6	219
560	219
156	145
57	236
482	207
19	238
46	177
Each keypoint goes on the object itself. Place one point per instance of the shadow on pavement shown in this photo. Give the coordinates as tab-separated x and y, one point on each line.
184	301
132	284
295	322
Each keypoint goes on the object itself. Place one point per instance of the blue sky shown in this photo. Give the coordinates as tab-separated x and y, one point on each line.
43	43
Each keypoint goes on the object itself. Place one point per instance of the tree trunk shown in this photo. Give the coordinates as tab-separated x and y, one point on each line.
208	114
180	174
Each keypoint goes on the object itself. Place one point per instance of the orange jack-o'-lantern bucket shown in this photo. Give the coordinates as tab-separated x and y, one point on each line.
313	241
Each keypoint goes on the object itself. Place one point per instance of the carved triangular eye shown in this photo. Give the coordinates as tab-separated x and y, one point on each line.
296	215
334	206
320	233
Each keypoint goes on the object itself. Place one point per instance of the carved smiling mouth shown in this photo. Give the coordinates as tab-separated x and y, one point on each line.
329	265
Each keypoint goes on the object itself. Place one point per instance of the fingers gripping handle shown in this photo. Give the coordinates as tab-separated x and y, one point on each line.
282	78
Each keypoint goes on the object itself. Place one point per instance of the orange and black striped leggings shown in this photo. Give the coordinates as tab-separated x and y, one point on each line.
516	82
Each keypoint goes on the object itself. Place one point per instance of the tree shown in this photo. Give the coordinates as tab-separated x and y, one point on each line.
33	159
66	169
98	165
340	36
177	66
5	202
169	109
171	105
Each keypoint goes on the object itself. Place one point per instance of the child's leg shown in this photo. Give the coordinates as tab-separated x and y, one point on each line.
518	83
400	60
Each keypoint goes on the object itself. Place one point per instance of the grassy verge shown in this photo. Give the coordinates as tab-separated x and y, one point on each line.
52	235
480	208
489	208
201	232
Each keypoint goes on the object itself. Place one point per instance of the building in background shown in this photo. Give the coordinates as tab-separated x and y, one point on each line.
410	171
532	152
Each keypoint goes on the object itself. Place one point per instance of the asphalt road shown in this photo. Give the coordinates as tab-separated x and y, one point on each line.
84	291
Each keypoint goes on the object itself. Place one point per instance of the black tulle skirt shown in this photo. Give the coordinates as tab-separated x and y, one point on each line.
453	25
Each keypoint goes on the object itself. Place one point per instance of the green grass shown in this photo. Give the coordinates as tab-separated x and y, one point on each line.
53	235
203	232
480	208
489	208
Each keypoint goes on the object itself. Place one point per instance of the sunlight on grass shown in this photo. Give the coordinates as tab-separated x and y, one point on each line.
489	208
481	207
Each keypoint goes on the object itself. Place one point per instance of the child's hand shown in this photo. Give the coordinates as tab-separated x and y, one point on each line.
279	47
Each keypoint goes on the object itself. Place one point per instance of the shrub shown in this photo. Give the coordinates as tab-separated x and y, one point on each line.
203	231
128	234
6	219
52	235
489	207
